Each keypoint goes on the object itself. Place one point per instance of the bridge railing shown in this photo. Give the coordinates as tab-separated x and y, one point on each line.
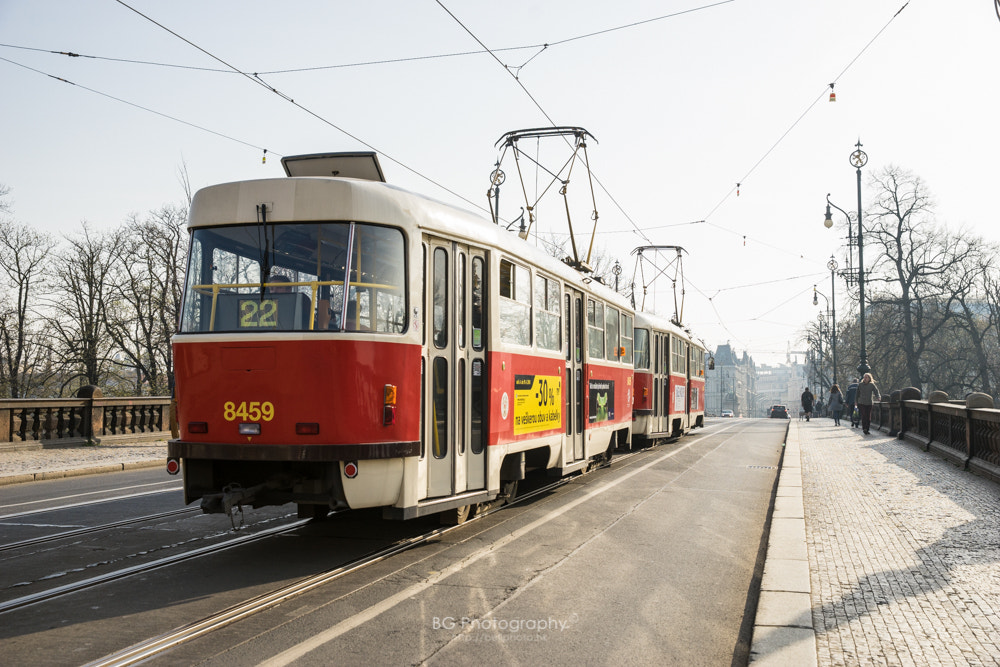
966	432
88	419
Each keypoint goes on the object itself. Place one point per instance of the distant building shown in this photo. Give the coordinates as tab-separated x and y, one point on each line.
738	384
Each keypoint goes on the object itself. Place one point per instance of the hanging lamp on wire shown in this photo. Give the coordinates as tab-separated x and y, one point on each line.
833	95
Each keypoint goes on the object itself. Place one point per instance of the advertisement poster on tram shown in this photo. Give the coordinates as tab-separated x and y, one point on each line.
602	401
537	403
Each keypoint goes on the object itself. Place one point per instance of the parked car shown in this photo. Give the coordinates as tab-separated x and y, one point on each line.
779	412
727	413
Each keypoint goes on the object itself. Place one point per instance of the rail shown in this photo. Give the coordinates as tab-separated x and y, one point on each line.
966	432
88	419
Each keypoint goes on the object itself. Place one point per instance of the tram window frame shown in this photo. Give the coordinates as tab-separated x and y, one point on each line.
595	329
227	263
696	358
612	331
460	299
677	355
439	297
641	348
626	332
548	323
515	303
478	303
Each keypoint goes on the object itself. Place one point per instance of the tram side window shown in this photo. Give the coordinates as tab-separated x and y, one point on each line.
611	332
595	329
627	338
677	356
698	357
642	348
515	304
478	304
439	293
547	324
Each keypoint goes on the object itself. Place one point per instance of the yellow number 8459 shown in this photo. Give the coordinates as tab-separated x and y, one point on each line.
252	411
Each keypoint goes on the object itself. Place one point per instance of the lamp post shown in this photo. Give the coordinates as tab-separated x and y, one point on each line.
832	265
831	307
858	159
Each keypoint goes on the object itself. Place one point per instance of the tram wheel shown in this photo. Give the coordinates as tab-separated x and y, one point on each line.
456	516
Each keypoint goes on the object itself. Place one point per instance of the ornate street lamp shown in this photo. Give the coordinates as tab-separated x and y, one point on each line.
832	265
858	159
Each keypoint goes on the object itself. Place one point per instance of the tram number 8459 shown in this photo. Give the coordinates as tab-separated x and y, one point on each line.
253	411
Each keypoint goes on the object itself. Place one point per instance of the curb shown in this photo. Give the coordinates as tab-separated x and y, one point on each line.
783	632
78	472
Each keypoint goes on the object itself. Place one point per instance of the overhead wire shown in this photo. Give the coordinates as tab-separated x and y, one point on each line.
259	81
542	47
771	150
139	106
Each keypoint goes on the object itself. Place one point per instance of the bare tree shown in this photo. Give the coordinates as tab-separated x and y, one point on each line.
24	254
80	301
147	292
915	256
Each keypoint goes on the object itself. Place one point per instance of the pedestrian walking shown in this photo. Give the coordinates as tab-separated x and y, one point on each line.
807	403
866	397
850	401
836	404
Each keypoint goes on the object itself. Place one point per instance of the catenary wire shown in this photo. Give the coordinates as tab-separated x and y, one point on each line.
257	80
387	61
139	106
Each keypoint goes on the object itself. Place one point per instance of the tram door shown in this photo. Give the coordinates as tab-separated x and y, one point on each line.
661	382
573	387
687	390
455	381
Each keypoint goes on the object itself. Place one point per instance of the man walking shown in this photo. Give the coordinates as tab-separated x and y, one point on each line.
807	403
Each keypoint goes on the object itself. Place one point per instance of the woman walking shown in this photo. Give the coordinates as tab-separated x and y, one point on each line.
836	404
867	395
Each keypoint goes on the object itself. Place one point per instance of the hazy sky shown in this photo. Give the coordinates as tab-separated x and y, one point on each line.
683	108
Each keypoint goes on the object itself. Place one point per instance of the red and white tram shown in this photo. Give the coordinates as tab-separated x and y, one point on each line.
345	343
669	381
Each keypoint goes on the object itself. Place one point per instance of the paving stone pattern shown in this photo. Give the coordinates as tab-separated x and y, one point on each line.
36	461
904	553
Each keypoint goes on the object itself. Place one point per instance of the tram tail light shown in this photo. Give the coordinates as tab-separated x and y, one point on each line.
307	428
389	405
197	427
173	466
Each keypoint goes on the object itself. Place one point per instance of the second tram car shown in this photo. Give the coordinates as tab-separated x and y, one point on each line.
669	381
345	343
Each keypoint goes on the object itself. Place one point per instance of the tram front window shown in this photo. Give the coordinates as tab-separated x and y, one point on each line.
291	277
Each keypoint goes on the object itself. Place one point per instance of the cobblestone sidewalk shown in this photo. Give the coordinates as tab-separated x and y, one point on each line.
904	552
26	465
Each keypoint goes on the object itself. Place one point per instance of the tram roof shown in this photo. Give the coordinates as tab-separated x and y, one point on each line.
649	320
310	199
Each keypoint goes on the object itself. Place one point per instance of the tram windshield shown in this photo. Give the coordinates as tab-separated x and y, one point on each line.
291	277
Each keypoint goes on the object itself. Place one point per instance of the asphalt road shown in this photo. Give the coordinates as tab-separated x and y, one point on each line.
651	561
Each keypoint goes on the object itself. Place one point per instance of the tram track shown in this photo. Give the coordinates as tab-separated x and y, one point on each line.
66	534
123	573
156	645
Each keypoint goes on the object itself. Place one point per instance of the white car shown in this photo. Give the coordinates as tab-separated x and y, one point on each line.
727	413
